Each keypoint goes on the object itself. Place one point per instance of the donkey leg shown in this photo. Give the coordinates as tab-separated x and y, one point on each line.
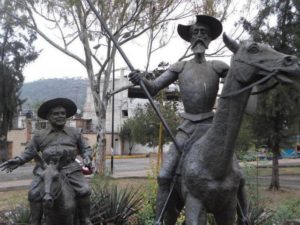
36	209
195	213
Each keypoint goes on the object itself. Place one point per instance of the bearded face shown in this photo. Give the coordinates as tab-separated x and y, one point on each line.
200	38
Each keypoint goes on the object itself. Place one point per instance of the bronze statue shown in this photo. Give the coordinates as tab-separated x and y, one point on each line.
199	83
209	179
57	145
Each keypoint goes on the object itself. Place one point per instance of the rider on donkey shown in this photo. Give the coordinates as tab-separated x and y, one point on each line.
198	80
57	142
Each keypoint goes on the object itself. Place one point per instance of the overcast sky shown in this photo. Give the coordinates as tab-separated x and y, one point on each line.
54	64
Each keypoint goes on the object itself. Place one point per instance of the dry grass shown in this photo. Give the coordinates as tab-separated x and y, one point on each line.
274	198
9	199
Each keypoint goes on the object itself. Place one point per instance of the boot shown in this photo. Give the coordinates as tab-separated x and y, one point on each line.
83	205
36	209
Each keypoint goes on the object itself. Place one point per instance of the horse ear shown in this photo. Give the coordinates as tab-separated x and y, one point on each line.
231	44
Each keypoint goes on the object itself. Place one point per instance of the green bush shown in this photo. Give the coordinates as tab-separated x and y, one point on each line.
289	209
146	215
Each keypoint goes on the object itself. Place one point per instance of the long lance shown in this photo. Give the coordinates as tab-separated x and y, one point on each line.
142	84
146	92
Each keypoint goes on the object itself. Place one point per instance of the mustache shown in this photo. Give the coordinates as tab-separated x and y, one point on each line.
199	41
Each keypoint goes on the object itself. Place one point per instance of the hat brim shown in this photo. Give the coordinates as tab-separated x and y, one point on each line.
214	25
68	104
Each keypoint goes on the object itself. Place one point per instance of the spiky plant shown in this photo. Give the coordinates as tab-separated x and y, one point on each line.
113	205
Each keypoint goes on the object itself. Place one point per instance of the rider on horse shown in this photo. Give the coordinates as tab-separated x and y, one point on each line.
62	143
198	80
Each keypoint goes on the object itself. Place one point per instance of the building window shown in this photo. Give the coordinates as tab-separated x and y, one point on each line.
124	113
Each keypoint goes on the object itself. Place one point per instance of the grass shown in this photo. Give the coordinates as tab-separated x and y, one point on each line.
272	199
9	199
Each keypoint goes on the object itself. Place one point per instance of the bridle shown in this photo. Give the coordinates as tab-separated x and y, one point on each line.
58	189
271	74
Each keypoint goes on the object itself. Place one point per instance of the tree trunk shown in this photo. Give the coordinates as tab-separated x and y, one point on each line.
101	139
274	185
3	149
3	138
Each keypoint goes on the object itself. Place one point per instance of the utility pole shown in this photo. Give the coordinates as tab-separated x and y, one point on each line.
112	122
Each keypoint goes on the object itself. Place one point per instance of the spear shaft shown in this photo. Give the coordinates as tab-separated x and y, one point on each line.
142	84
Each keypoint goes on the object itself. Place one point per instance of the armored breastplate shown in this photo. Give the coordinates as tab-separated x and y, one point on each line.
199	85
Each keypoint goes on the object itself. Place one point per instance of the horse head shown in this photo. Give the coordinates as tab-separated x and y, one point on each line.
256	62
50	175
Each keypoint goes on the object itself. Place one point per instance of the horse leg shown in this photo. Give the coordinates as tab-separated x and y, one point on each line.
227	216
195	213
242	210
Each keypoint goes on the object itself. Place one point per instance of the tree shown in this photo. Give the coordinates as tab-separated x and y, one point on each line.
15	52
278	110
72	22
143	127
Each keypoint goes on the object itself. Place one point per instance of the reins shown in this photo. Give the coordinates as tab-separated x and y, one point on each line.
59	189
250	86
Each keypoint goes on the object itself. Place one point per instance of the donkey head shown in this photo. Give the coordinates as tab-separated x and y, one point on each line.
50	176
253	61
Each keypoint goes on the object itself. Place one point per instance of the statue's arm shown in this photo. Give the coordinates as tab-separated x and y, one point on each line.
26	155
220	67
164	80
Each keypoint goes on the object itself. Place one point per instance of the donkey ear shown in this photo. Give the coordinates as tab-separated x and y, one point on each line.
231	44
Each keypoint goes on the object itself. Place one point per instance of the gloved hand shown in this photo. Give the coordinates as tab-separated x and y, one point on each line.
11	164
135	77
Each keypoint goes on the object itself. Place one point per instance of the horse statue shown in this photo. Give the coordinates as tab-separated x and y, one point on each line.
59	205
211	177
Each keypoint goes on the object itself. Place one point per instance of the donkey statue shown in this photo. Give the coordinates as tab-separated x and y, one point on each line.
59	205
211	177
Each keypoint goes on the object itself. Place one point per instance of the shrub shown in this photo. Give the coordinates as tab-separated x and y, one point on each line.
289	209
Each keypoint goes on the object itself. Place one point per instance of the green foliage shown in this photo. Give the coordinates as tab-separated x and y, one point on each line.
113	205
289	209
245	138
278	112
16	51
143	128
146	215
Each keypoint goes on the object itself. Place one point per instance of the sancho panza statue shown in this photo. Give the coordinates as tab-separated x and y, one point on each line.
57	141
198	81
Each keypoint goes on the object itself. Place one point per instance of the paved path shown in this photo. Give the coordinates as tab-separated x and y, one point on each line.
133	167
123	168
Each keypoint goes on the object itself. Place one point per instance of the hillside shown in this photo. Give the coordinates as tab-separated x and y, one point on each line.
38	91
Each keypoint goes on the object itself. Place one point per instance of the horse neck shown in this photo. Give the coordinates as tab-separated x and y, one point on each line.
225	127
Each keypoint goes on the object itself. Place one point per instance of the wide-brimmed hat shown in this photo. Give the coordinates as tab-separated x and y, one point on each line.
68	104
214	25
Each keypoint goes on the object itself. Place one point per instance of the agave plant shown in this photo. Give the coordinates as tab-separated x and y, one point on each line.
113	205
258	215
